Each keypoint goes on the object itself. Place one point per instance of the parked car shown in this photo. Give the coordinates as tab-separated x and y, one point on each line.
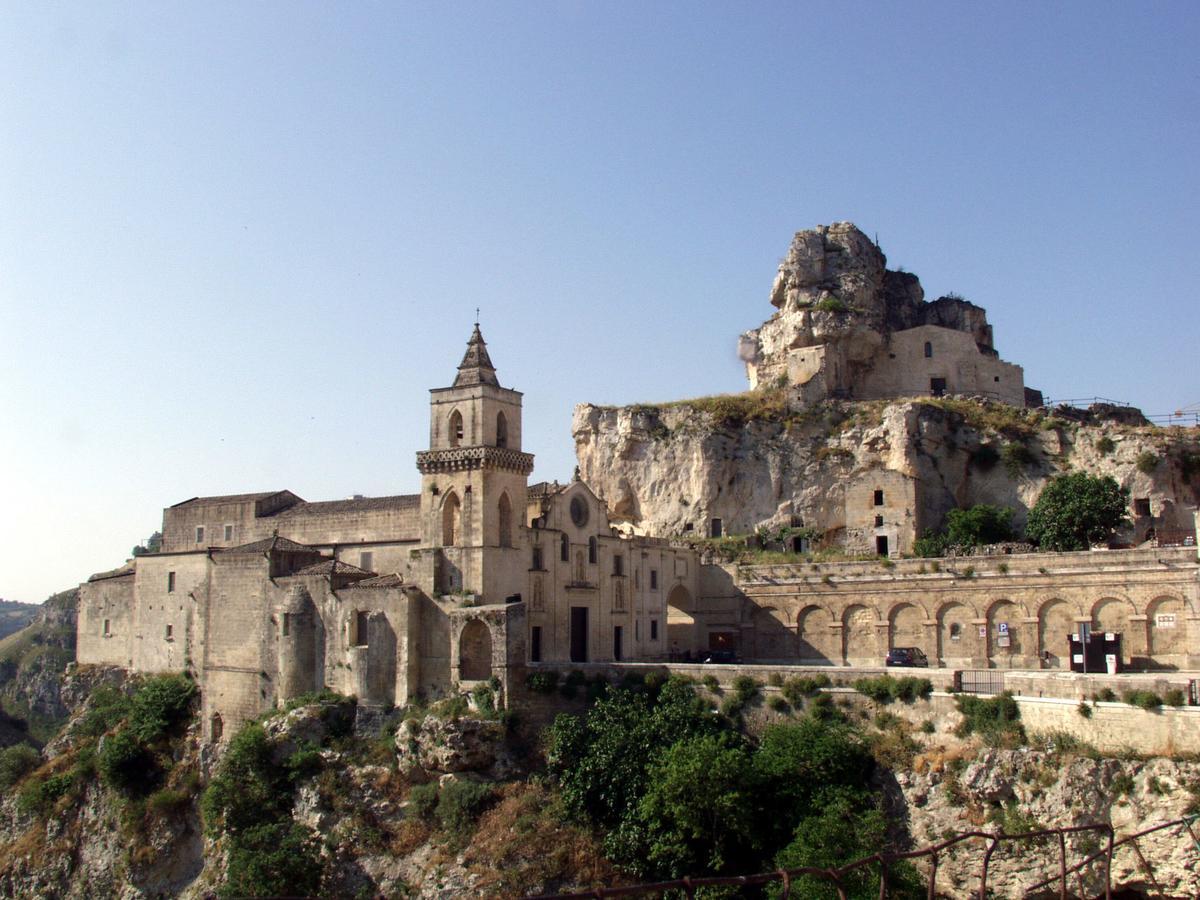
728	657
907	656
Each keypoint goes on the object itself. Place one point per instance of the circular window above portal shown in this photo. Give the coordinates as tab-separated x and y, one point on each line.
579	511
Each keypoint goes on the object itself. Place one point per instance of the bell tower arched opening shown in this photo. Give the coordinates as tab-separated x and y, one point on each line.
451	515
501	430
454	430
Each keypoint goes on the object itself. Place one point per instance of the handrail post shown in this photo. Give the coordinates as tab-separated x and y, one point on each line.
1062	864
933	867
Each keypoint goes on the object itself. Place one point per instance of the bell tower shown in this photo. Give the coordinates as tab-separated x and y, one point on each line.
474	478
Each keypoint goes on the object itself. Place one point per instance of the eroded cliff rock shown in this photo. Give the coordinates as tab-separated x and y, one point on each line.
753	461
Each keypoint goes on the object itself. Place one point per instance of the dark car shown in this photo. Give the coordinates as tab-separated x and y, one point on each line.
907	656
719	656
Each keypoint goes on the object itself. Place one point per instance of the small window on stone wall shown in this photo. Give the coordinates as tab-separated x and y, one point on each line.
537	558
878	497
654	629
199	534
170	582
716	528
879	521
229	532
618	564
593	550
169	633
107	628
955	631
286	624
928	350
361	620
654	579
1141	506
366	561
564	549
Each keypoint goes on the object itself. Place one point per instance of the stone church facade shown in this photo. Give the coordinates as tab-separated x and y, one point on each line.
266	596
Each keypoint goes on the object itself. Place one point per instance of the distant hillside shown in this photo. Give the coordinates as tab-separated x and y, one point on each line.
14	616
32	661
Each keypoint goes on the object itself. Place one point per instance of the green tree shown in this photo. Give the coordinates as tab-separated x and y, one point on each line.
701	812
980	524
1077	510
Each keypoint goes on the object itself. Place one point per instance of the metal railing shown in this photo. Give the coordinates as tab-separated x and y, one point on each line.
837	876
980	681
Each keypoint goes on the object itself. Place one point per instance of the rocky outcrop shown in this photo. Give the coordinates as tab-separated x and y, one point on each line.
1023	790
833	288
433	746
32	662
672	468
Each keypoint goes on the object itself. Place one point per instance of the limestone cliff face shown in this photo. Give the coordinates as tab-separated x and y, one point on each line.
673	468
833	288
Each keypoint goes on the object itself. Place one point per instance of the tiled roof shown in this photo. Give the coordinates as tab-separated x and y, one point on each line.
381	581
126	569
543	489
228	498
333	567
359	504
276	543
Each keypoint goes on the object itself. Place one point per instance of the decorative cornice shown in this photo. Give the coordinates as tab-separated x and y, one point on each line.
459	459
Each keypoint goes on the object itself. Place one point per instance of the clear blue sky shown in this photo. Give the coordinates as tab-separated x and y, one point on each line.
238	242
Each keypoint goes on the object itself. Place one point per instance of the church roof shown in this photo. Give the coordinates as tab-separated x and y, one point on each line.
120	572
332	567
391	580
476	367
268	545
543	489
355	504
228	498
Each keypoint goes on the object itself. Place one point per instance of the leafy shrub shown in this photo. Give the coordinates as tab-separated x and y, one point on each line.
1121	784
885	688
159	704
485	699
1105	696
797	688
1174	697
1016	457
995	719
711	682
831	305
249	789
423	800
16	762
106	708
542	682
304	763
775	680
451	708
39	795
927	727
777	704
459	805
1147	462
124	762
275	860
1147	700
167	801
1085	709
1105	445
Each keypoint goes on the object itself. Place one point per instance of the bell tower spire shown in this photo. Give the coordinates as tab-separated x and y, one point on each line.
476	367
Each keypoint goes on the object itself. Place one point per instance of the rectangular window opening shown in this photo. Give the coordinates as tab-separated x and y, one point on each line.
1141	506
366	561
107	627
535	644
199	534
654	579
169	633
361	619
287	624
170	582
654	629
229	532
879	521
618	564
878	497
716	529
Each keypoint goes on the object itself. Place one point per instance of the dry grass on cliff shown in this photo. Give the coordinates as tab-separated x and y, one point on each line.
526	844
